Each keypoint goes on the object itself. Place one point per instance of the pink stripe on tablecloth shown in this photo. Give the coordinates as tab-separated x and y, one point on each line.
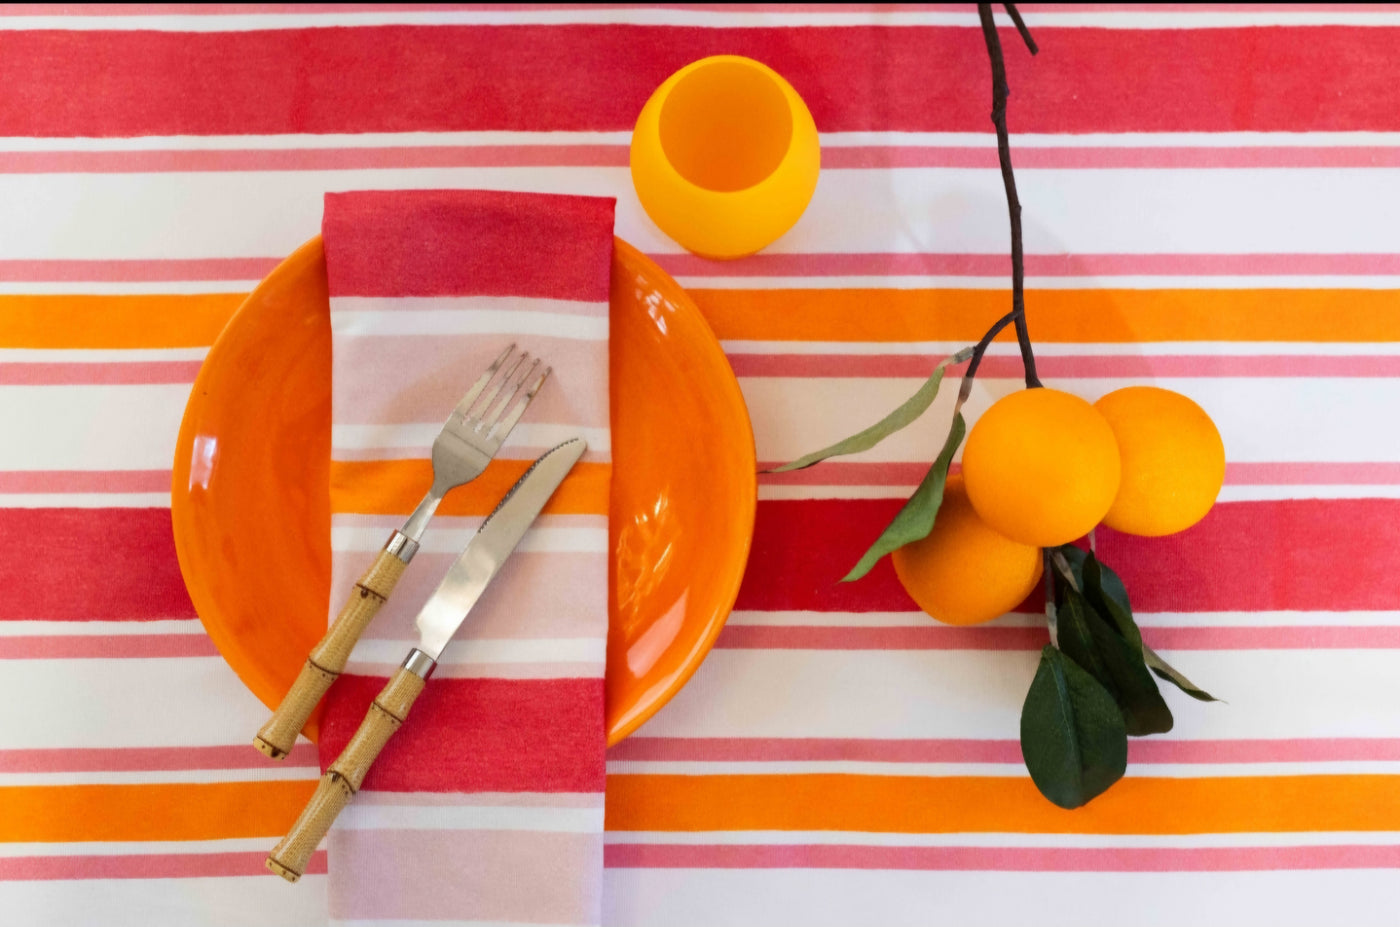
105	646
98	372
940	637
143	866
432	372
135	270
1036	265
146	759
464	243
909	473
1031	157
888	750
84	481
1136	366
488	876
834	157
1000	859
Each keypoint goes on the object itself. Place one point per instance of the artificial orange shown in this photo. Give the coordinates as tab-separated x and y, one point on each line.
1173	460
1041	467
964	572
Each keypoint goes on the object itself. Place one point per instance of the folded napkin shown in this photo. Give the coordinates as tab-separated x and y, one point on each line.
487	806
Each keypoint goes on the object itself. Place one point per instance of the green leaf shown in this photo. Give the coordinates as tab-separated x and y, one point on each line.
1165	670
1104	591
905	415
1087	638
1072	734
915	520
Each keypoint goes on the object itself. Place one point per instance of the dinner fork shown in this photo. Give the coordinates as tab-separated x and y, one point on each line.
468	441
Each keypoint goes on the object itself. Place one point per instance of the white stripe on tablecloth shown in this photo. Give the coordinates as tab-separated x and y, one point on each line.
941	349
978	694
874	211
270	773
894	898
1227	494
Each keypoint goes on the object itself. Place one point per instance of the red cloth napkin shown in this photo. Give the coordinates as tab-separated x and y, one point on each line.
487	806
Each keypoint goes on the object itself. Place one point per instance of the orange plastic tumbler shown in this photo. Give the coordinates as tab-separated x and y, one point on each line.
725	156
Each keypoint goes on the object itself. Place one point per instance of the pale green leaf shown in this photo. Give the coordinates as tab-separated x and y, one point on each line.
915	520
901	417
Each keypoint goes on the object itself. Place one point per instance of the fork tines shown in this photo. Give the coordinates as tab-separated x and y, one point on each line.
505	378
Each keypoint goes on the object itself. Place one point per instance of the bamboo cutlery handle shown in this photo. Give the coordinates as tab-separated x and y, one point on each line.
344	777
327	661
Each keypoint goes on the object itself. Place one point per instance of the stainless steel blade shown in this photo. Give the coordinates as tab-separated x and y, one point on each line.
494	540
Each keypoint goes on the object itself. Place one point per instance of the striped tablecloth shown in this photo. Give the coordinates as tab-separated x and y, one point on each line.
1211	196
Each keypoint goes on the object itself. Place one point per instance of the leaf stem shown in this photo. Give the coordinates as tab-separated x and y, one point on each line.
1000	91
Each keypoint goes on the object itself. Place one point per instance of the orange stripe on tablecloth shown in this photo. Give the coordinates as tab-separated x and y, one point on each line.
1074	316
919	804
144	321
395	487
170	811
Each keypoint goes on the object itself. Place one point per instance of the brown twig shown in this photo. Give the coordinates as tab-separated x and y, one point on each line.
1000	91
1015	15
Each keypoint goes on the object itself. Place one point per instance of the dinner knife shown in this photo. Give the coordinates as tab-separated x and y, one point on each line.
438	620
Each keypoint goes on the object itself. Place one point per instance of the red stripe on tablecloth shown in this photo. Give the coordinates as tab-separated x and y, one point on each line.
909	473
942	637
833	158
90	564
103	646
145	759
98	372
225	9
1308	555
1083	366
814	264
480	735
757	750
405	78
468	243
84	481
999	859
143	866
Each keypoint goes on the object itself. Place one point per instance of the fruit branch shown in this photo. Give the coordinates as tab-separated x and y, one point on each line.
1000	91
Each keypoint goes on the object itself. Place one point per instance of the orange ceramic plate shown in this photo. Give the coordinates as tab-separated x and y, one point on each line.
252	517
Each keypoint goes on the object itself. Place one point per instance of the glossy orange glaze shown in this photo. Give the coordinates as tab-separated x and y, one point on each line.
252	516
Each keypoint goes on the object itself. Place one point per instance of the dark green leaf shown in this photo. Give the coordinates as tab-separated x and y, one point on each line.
1087	639
1165	670
1106	593
1103	590
1072	735
912	408
915	520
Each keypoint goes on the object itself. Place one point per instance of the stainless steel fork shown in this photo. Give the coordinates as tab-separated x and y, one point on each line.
468	441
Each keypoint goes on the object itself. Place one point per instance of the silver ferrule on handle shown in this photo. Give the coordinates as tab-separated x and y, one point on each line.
401	546
419	663
417	522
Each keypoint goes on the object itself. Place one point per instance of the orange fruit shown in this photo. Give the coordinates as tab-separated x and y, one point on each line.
1173	460
1041	467
964	572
